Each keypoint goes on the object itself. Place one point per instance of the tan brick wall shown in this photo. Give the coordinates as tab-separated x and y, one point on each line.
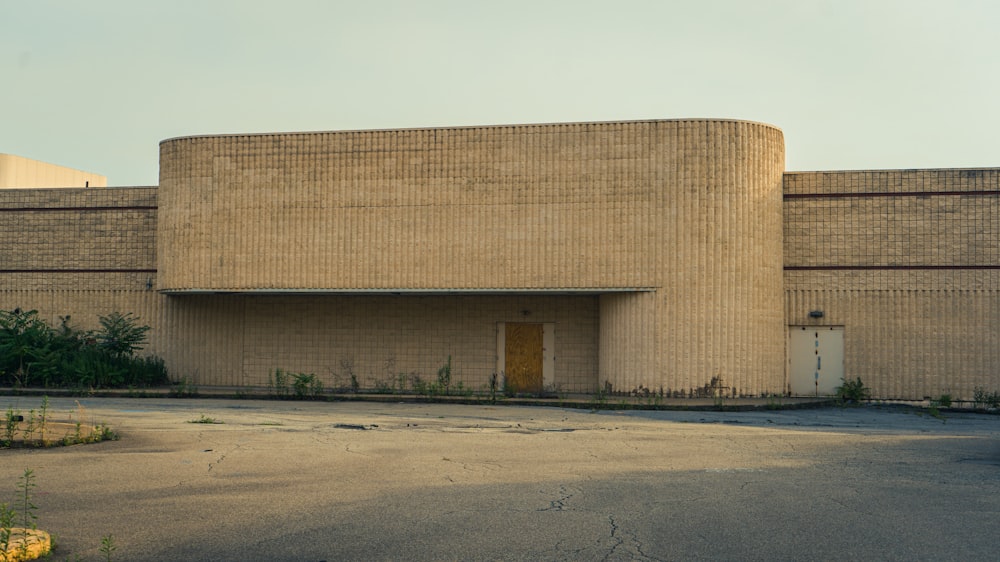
82	253
49	230
912	276
689	210
240	340
908	344
85	307
892	181
575	205
930	230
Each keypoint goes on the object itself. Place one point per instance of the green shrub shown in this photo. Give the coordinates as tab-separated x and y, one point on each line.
982	398
852	392
306	386
283	384
34	354
120	335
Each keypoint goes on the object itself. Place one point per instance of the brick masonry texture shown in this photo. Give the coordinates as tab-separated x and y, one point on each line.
664	253
908	264
687	211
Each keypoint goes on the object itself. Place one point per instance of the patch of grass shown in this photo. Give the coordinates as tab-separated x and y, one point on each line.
35	431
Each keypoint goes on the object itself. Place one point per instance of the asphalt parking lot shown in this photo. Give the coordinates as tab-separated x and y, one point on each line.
387	481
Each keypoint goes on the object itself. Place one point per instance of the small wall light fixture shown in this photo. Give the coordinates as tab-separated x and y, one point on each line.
815	314
149	284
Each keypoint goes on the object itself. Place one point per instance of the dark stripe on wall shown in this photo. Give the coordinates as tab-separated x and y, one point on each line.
886	194
77	271
883	267
37	209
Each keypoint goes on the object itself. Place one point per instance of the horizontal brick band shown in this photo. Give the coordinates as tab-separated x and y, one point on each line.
77	271
886	194
39	209
883	267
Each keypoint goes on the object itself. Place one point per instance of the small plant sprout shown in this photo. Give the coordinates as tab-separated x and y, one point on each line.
43	412
108	546
11	420
444	376
25	484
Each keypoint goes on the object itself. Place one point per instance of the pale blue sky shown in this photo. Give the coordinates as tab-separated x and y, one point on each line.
854	84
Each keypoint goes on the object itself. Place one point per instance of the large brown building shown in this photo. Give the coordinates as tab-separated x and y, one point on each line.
662	255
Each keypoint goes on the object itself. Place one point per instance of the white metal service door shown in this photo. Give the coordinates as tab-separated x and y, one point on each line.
816	357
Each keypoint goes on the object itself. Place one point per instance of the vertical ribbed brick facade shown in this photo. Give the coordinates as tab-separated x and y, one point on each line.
676	223
660	254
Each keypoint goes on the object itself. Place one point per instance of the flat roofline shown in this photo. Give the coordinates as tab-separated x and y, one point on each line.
469	127
413	292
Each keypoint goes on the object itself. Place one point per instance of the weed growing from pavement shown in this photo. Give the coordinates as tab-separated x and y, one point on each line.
183	389
444	376
306	385
284	384
11	420
25	484
108	546
601	396
205	419
19	523
36	431
774	402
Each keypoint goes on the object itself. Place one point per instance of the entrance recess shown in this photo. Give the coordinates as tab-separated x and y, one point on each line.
524	357
816	359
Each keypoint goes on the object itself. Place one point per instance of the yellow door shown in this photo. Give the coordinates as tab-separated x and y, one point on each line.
523	357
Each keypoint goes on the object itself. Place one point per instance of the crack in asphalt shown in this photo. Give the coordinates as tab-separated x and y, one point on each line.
219	460
614	537
559	504
347	449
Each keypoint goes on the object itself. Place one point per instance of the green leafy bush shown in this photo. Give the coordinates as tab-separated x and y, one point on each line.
852	392
983	398
34	354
